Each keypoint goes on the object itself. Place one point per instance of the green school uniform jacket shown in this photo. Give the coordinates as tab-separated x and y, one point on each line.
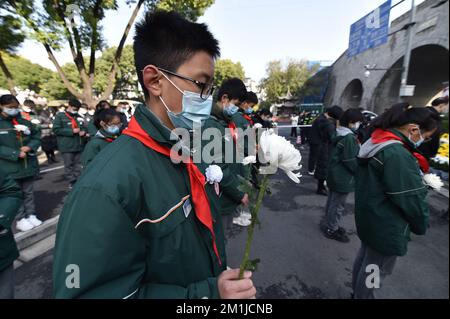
10	145
98	229
68	142
95	145
10	201
230	195
389	197
343	162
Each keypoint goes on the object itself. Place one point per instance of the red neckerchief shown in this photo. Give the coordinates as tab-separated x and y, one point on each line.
248	118
196	178
380	136
74	122
26	116
233	131
14	123
109	140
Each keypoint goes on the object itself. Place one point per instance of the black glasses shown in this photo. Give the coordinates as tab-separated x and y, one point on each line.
207	89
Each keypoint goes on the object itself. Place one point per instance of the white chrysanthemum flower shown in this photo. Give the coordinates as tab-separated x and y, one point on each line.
278	152
22	128
214	174
257	126
433	181
249	160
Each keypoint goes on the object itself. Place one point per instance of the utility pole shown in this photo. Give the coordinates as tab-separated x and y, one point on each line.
407	58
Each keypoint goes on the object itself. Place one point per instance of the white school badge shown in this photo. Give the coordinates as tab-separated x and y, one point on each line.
187	208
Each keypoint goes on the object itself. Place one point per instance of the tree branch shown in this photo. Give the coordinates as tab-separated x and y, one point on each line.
116	60
8	75
94	38
61	73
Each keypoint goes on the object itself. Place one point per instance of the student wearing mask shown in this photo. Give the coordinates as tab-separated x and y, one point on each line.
246	107
341	173
70	134
91	128
390	195
19	142
138	224
231	93
109	125
10	202
122	109
438	107
322	131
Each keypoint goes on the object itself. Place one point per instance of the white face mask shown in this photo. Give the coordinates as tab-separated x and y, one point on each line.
356	126
194	109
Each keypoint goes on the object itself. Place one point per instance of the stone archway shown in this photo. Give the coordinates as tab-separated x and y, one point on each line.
352	95
428	71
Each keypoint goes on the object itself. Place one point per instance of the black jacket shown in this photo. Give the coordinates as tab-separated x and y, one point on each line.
430	148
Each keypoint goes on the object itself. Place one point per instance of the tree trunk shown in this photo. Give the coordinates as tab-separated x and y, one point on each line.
61	73
8	75
115	66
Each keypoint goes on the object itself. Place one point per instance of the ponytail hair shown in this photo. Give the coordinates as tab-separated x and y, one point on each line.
403	113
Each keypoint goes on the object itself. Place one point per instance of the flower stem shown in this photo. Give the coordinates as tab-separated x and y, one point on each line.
21	145
262	192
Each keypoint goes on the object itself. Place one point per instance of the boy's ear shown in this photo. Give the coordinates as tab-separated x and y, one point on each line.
224	100
152	80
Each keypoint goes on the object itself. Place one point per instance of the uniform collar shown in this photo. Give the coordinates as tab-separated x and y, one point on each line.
153	126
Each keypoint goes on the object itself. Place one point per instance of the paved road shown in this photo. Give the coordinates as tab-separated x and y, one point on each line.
297	261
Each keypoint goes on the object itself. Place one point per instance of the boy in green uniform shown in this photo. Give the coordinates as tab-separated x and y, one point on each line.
19	142
108	122
139	224
70	134
10	202
341	173
231	93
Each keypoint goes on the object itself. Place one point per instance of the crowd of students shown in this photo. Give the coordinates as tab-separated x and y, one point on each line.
139	225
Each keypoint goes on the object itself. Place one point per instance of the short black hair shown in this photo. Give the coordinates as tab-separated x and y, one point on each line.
102	105
123	103
167	40
74	103
251	97
439	101
403	113
234	88
351	116
105	115
335	112
8	99
29	103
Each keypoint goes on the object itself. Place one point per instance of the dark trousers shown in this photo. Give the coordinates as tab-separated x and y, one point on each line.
314	150
335	209
369	257
7	283
72	166
294	132
27	208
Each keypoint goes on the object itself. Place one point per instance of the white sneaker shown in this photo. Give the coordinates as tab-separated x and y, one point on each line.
241	221
246	215
24	225
33	220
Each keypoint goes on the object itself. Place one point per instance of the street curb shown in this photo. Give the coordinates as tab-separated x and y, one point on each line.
29	238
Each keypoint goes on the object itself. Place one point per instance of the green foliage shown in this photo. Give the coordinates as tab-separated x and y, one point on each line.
126	78
27	75
12	35
226	69
280	78
191	9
